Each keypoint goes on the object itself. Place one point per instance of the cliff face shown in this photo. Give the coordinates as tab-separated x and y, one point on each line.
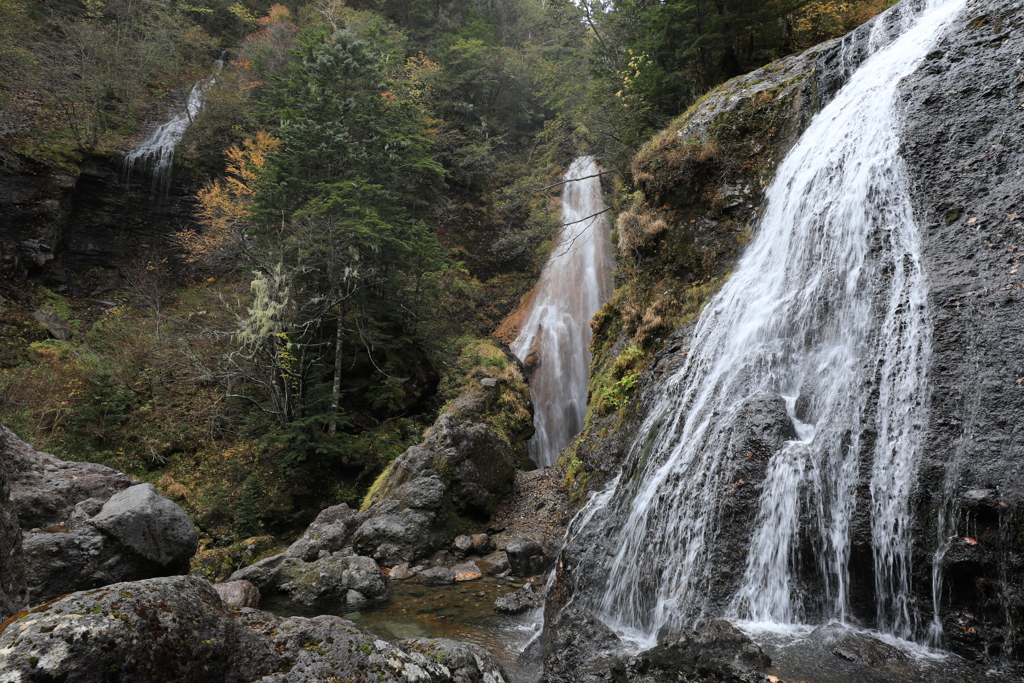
701	184
77	225
963	144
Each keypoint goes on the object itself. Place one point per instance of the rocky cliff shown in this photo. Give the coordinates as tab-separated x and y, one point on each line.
700	191
77	224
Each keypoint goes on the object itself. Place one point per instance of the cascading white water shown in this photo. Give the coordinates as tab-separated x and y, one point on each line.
555	337
156	153
828	306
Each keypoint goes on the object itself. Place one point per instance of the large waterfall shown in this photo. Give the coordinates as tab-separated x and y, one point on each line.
826	314
156	153
554	340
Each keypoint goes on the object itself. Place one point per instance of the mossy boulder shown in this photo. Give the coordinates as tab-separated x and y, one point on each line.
177	629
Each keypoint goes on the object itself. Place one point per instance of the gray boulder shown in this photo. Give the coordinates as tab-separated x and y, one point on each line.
519	601
328	579
12	568
407	525
330	531
467	662
437	576
526	557
177	629
238	593
138	534
46	489
151	525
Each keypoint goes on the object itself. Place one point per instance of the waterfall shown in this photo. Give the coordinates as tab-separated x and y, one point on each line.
826	309
156	153
554	342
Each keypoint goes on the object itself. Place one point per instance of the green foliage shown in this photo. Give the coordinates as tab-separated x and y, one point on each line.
248	520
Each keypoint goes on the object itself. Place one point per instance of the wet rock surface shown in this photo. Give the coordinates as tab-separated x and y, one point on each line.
717	652
968	193
519	601
177	629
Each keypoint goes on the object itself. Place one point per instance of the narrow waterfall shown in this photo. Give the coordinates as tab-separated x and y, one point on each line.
555	338
827	310
156	153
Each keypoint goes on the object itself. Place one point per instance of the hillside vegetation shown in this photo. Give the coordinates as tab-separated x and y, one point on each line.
375	187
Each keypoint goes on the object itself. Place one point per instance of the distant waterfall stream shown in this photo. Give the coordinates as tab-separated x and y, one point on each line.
554	340
827	310
156	153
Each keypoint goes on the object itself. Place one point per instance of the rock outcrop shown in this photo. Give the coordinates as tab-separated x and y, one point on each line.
86	525
962	145
177	629
46	489
137	534
464	466
333	578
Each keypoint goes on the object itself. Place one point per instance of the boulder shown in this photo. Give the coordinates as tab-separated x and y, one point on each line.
177	629
462	545
467	571
716	652
46	489
401	572
519	601
12	569
409	524
500	568
330	531
482	544
580	647
151	525
238	593
437	576
467	662
526	557
137	534
326	580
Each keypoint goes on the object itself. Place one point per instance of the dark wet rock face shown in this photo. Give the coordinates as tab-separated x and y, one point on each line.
963	145
79	226
526	557
177	629
581	648
522	600
717	652
12	568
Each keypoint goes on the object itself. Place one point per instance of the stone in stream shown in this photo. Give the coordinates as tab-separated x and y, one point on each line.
522	600
526	557
437	576
462	545
329	579
482	544
401	572
467	571
500	568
